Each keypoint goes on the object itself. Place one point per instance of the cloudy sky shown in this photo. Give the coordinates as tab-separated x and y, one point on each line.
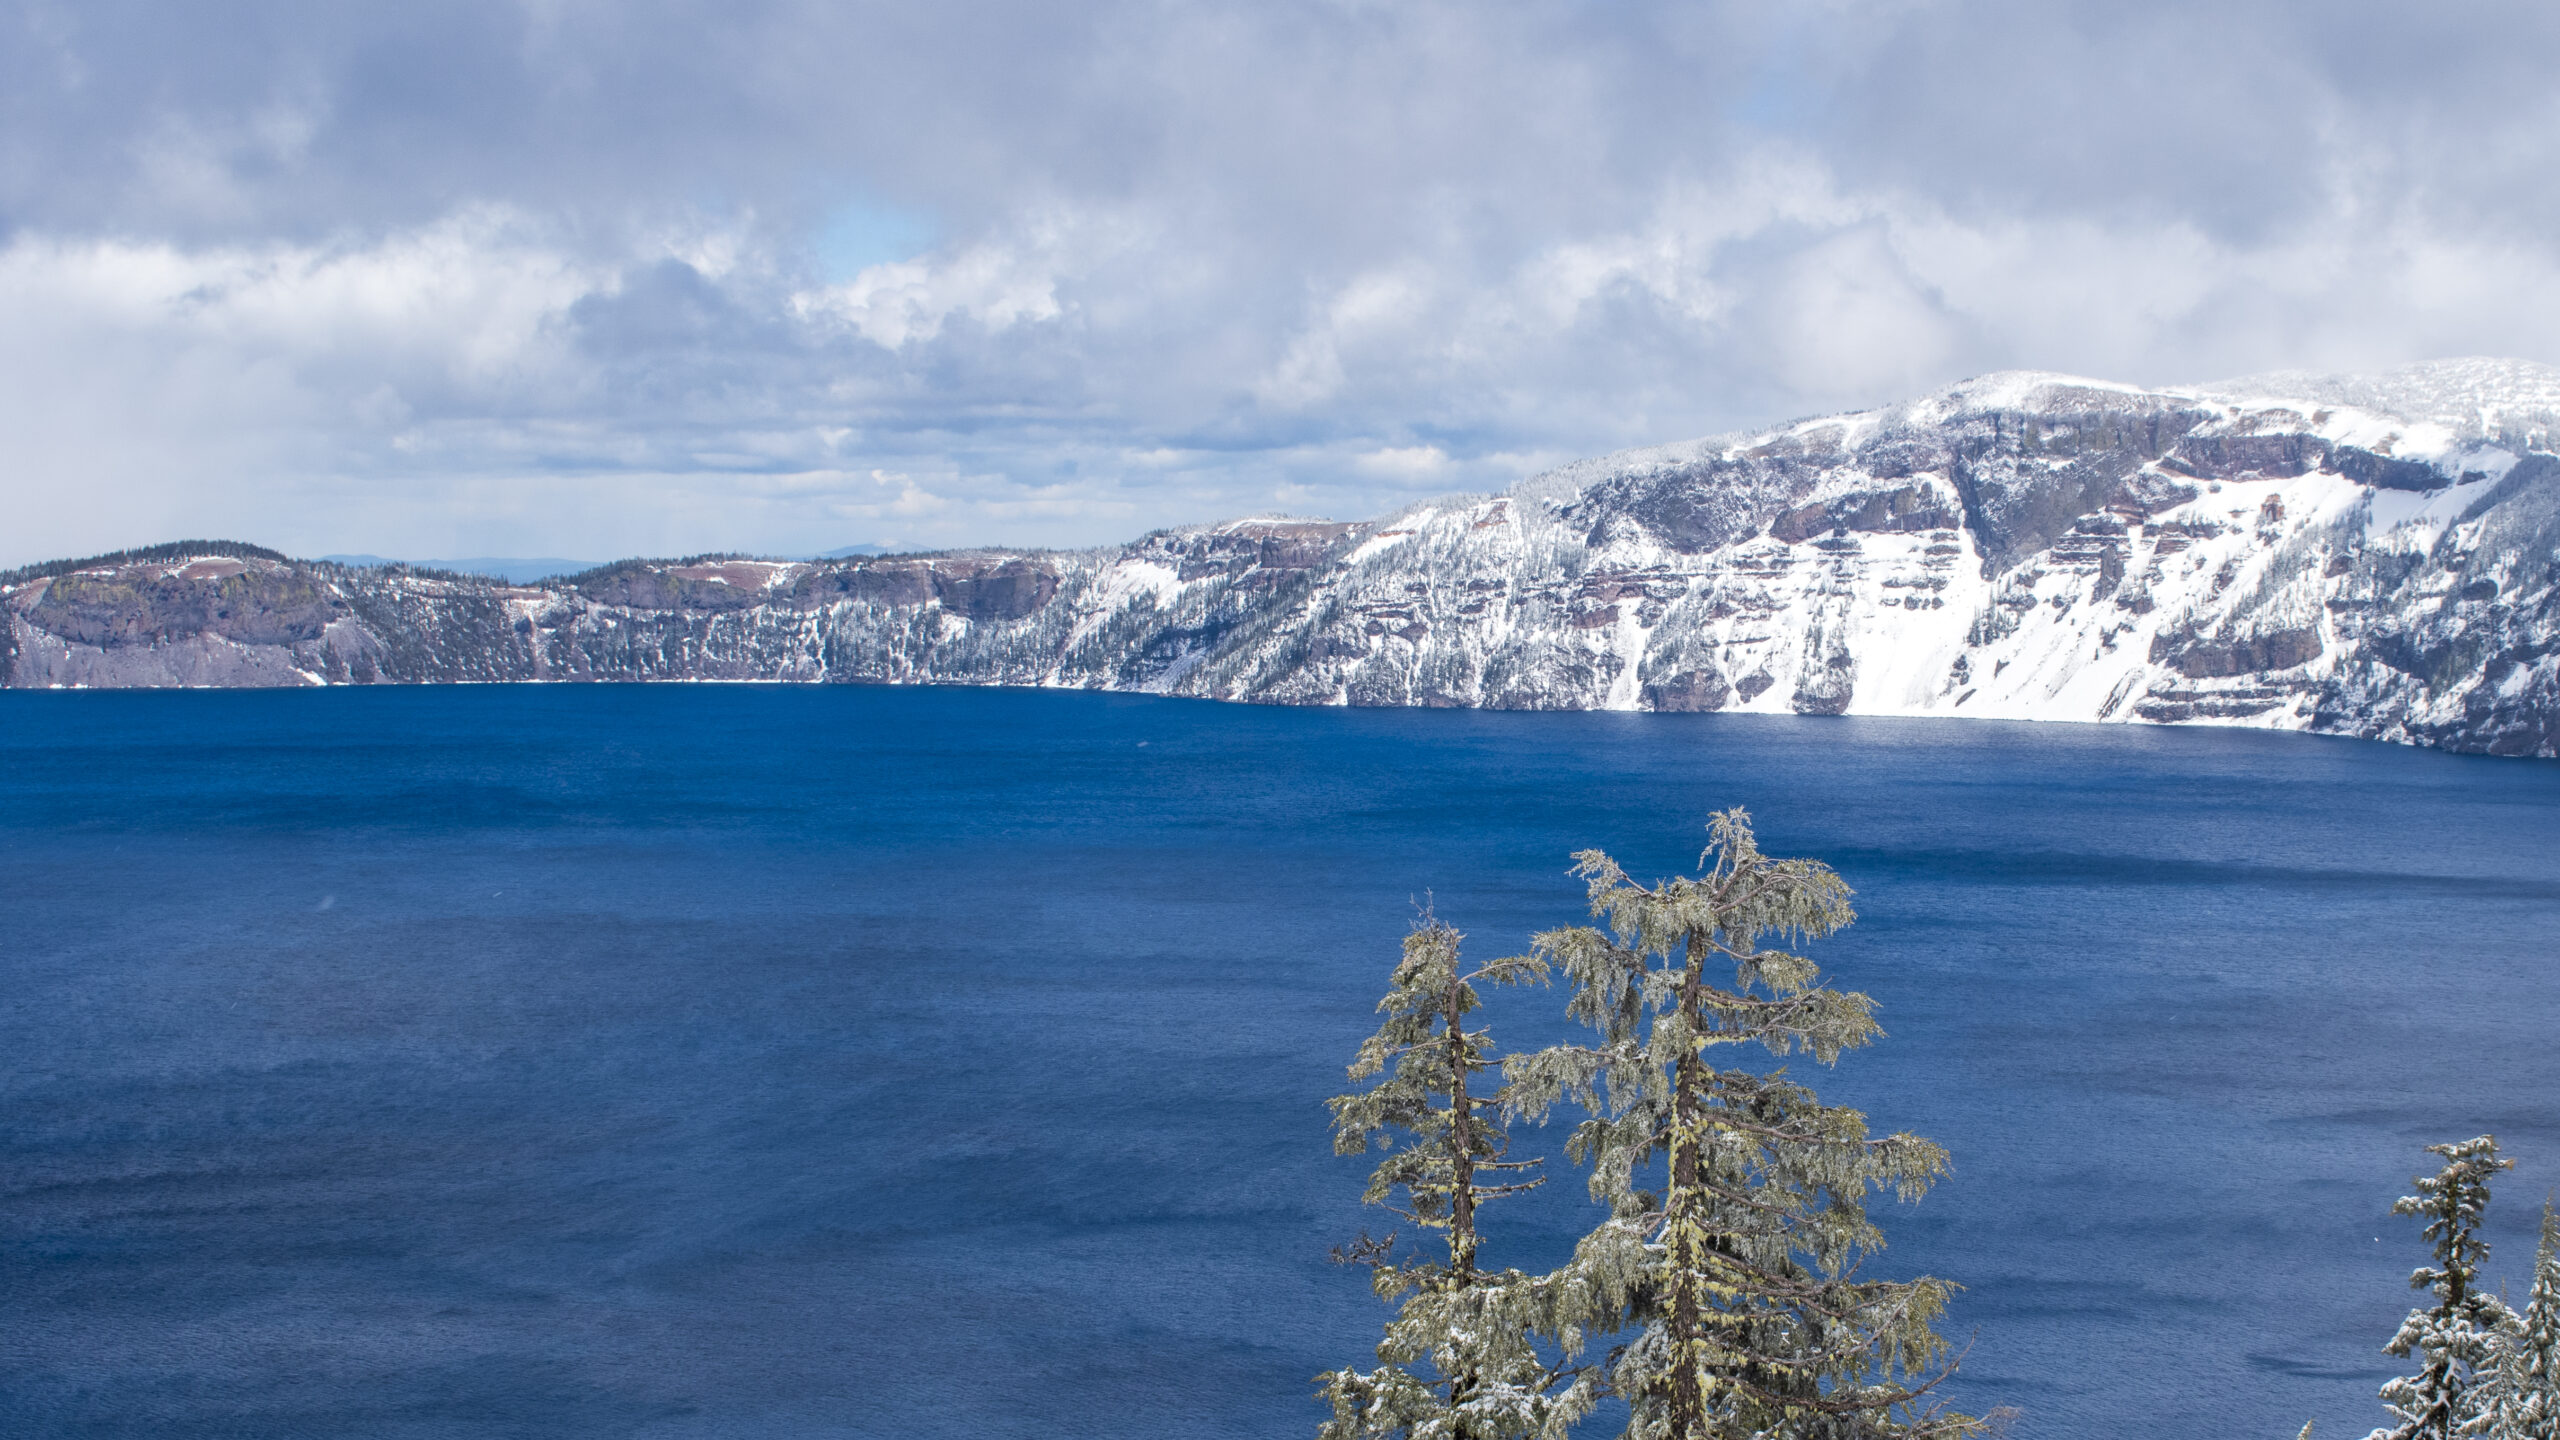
586	279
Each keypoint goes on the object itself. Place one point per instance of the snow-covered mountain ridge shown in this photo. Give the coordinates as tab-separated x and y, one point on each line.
2367	555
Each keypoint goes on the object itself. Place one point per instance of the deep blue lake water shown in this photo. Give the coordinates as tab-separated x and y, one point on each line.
711	1061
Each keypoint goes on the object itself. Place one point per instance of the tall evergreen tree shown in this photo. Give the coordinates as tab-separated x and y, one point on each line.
1459	1361
2456	1336
2523	1390
1741	1274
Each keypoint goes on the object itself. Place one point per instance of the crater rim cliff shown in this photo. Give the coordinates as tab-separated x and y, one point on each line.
2373	555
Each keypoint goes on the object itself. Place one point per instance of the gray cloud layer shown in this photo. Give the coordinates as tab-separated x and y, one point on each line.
555	276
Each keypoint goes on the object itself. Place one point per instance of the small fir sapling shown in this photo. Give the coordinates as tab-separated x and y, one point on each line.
2521	1392
2456	1337
1740	1276
1459	1361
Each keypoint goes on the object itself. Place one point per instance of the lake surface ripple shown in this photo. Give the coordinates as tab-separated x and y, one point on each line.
721	1061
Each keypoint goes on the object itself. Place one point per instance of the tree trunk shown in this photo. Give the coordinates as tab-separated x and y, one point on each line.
1688	1319
1462	1174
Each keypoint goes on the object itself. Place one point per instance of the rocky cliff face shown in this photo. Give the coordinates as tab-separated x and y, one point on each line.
2362	556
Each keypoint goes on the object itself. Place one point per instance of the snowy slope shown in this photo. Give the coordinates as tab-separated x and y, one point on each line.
2024	546
2369	555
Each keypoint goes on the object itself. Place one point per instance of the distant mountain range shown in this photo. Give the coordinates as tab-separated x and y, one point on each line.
2360	555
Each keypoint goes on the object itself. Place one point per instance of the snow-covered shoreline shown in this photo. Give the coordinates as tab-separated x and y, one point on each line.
2361	555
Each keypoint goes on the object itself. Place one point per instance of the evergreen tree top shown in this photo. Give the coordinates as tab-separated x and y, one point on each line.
1742	896
2458	1390
1439	1133
1462	1360
2454	1199
1648	959
1741	1270
2523	1385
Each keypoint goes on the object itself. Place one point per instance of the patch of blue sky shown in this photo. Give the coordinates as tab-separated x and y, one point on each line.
861	233
1779	98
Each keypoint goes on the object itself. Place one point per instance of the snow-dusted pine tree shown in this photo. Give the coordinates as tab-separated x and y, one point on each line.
2457	1336
1459	1361
2522	1395
1740	1275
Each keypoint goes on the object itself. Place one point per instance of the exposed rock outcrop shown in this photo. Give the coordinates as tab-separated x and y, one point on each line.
2368	556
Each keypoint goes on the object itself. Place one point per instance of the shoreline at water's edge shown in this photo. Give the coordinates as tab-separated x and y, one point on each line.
2125	724
2025	548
